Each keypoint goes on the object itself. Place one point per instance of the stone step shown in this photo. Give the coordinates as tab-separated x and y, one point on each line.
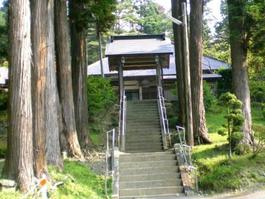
143	148
142	136
147	164
141	111
142	125
148	170
163	175
140	132
145	142
150	184
143	120
147	157
155	191
143	128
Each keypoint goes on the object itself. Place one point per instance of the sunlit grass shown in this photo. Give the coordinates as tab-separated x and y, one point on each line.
217	172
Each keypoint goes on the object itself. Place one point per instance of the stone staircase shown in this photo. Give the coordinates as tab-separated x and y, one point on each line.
143	132
145	170
149	175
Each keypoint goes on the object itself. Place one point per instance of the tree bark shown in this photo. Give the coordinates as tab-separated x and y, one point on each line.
40	45
99	37
65	78
186	77
178	43
53	151
79	74
199	120
239	43
19	160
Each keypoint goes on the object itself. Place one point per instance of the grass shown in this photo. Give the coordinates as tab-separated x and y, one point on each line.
216	172
79	182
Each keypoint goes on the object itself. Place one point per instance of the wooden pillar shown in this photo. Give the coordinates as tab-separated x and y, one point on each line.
158	72
140	93
187	86
121	83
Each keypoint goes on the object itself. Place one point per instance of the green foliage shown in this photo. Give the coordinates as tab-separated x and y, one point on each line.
137	16
208	96
151	18
234	119
236	138
263	110
101	98
82	183
3	33
225	83
228	178
100	95
3	100
216	173
257	86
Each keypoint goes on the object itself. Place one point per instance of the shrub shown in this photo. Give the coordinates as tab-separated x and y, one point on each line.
236	138
263	109
3	100
208	96
257	91
225	83
101	98
234	119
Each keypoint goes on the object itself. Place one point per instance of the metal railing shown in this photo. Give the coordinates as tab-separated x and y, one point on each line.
184	151
163	118
122	122
111	143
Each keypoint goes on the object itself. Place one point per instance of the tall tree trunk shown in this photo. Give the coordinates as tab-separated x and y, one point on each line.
199	120
19	161
178	39
40	54
53	151
79	74
99	37
239	43
65	78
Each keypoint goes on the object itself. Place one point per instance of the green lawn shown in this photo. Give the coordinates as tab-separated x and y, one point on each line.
216	172
79	182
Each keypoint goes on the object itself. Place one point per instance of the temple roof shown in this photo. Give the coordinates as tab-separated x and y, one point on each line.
139	51
209	66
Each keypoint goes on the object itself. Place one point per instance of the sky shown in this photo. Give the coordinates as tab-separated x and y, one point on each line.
213	5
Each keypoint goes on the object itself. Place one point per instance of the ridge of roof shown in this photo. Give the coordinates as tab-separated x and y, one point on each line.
131	37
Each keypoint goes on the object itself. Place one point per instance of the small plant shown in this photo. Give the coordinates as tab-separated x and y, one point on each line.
234	120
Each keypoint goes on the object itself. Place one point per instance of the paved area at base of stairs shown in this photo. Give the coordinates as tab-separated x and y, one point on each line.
258	194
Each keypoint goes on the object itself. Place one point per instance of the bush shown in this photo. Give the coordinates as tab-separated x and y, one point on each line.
263	110
100	95
225	83
257	91
208	96
3	100
236	138
228	179
101	98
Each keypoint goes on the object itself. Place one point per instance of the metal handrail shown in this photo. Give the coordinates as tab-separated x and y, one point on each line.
185	152
163	117
110	145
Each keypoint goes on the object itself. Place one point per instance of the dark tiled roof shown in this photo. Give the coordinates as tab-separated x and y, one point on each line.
139	44
208	64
